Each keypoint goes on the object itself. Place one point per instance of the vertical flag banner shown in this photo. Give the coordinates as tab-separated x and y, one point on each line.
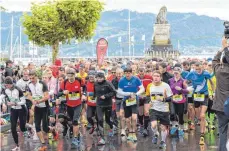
101	50
143	37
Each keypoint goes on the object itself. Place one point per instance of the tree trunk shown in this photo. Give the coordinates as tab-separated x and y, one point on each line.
55	51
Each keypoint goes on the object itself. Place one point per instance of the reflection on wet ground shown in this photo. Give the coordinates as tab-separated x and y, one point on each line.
190	142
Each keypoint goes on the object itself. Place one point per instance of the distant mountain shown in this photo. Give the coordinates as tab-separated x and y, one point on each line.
190	29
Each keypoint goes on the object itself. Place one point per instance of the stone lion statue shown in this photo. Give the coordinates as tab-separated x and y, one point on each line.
161	17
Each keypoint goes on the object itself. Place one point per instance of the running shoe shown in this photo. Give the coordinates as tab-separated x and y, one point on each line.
134	137
17	148
101	141
75	141
92	129
50	135
155	139
192	126
173	130
145	132
201	141
140	129
162	145
181	132
42	148
110	133
55	136
123	132
129	138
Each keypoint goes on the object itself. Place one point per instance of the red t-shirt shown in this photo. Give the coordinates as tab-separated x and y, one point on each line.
147	79
90	94
74	96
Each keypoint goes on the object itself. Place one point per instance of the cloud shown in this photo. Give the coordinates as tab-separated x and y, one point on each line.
213	8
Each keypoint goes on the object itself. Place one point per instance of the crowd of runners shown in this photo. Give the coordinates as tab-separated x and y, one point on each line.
134	97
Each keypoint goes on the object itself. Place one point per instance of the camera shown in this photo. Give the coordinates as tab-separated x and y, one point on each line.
226	30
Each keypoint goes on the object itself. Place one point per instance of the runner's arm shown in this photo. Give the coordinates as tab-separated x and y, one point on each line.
141	90
120	91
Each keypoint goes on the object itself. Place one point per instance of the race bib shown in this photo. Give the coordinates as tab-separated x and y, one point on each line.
36	97
131	102
199	97
13	99
177	98
62	97
91	99
153	98
74	96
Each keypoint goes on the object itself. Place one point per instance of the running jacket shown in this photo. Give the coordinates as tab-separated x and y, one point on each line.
107	89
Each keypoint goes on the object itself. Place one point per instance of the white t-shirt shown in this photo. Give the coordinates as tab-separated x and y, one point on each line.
153	90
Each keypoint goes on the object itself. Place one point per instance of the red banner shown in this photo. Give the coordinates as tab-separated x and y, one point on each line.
101	50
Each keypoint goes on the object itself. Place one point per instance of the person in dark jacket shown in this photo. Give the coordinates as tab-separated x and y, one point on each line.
104	91
165	75
9	69
220	66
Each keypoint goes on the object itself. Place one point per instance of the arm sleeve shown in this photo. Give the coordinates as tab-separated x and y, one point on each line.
141	90
21	98
112	91
120	91
184	88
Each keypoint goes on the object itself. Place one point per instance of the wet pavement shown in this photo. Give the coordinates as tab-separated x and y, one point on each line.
190	142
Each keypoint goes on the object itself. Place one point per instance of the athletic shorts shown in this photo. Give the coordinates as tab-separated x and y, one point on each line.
74	113
162	117
204	103
119	105
29	104
129	110
190	100
142	101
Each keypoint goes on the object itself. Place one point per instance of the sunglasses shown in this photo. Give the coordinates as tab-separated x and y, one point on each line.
113	72
209	65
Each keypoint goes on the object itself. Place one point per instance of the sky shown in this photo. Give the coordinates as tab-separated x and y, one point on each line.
213	8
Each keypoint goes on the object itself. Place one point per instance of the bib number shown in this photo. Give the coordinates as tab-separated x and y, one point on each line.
74	96
36	98
13	99
199	97
131	102
91	99
177	98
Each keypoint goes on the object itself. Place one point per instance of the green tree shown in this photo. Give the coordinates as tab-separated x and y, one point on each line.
60	21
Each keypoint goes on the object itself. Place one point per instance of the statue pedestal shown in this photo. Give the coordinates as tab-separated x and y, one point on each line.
161	35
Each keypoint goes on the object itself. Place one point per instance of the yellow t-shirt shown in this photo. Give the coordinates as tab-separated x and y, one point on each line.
81	76
210	89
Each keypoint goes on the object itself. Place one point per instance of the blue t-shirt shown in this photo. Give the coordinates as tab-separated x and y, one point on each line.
130	85
184	74
199	81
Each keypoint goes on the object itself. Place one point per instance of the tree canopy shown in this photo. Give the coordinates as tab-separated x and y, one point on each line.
60	21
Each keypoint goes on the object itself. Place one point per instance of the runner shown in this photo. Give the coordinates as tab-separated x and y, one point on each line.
119	102
179	89
39	97
143	109
23	84
199	81
71	88
104	91
131	87
159	94
16	101
211	117
91	102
